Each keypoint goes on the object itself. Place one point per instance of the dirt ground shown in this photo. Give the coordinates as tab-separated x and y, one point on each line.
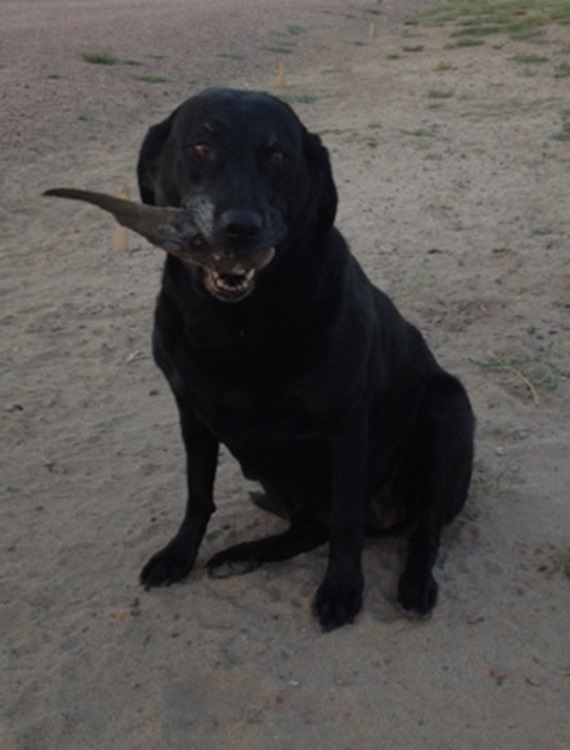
452	164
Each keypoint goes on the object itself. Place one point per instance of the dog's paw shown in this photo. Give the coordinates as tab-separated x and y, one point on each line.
417	595
233	561
170	565
337	604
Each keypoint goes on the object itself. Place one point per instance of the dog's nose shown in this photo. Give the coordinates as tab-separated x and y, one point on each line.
241	226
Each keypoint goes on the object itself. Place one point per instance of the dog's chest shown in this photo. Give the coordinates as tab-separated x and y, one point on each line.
251	393
233	408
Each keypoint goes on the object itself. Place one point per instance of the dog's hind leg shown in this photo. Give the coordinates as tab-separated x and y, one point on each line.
436	474
302	535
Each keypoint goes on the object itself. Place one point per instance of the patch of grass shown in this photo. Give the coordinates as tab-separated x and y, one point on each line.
441	93
529	59
429	131
481	30
150	79
533	375
393	56
465	42
277	49
522	34
564	134
562	70
294	29
133	63
231	55
413	48
54	76
100	58
518	19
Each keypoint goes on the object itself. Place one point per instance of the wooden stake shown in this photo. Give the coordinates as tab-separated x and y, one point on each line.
121	234
281	76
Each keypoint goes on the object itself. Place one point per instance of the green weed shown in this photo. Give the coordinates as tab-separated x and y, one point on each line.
427	132
100	58
465	42
562	70
564	134
277	49
295	30
441	93
529	59
150	79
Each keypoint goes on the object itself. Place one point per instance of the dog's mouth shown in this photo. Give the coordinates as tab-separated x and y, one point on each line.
227	278
229	286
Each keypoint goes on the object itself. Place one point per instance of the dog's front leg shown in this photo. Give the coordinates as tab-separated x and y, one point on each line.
175	561
339	597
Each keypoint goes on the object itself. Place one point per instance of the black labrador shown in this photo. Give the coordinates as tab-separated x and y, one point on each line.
276	344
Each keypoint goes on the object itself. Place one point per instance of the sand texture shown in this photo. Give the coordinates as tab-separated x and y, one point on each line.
453	168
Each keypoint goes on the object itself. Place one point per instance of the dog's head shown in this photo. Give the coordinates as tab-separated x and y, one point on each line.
251	176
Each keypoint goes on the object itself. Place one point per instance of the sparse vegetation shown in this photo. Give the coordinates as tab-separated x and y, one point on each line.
562	70
425	132
277	50
150	79
535	376
100	58
475	19
530	59
564	134
295	30
441	93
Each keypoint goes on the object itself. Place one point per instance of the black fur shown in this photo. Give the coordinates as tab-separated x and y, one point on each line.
315	383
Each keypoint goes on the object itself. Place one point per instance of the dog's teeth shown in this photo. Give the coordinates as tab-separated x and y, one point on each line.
237	280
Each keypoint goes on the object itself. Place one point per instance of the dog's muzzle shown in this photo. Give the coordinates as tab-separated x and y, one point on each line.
237	246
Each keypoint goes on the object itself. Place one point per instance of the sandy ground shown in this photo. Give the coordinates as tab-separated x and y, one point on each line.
454	195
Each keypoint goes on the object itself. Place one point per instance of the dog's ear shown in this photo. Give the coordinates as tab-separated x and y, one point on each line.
149	156
322	182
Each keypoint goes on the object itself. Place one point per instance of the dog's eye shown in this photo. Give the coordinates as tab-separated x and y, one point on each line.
276	158
202	151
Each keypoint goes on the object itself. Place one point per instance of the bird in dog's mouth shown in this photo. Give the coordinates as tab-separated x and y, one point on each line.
225	275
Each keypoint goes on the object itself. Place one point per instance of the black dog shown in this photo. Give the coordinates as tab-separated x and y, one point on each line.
277	345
